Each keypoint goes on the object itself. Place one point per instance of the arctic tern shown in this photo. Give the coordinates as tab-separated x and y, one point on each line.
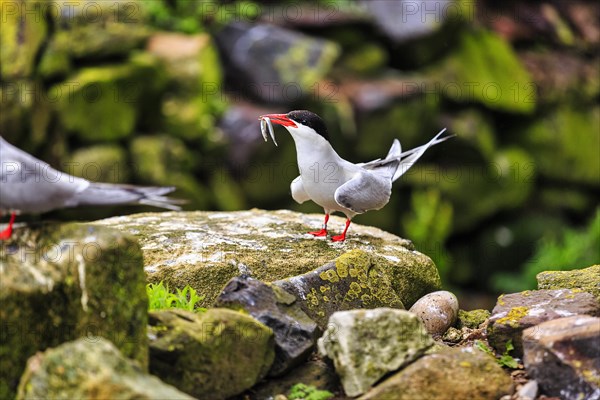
332	182
31	186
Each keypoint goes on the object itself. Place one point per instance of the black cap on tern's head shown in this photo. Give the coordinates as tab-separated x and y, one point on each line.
302	117
311	120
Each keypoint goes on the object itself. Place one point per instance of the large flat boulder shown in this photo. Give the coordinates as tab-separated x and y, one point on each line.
207	249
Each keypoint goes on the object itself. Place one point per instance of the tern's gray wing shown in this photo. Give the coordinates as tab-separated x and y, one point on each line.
298	192
365	191
30	185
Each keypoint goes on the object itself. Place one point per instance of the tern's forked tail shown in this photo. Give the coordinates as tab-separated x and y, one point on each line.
114	194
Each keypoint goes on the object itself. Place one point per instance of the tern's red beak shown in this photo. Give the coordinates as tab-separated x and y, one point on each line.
280	119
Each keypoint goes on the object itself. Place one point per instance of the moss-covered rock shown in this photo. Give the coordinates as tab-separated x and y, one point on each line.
472	319
555	142
61	282
368	59
22	32
100	163
194	98
485	69
365	345
207	249
355	280
275	64
215	354
102	103
587	279
90	368
96	30
164	160
447	374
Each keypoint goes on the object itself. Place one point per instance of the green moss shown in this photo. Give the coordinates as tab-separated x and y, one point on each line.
226	350
292	65
101	163
503	184
578	280
555	144
472	319
368	59
485	69
22	32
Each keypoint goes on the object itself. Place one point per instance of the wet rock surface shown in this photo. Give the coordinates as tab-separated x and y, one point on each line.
563	356
89	368
211	355
518	311
365	345
295	333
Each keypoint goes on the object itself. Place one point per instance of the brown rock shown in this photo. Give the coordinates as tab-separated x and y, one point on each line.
518	311
563	355
448	374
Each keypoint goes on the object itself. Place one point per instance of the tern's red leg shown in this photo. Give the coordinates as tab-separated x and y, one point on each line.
5	234
322	232
342	237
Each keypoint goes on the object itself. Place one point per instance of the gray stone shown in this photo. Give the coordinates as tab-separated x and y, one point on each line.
295	333
528	391
563	355
61	282
406	20
206	249
586	279
90	368
215	354
448	374
518	311
274	64
365	345
437	310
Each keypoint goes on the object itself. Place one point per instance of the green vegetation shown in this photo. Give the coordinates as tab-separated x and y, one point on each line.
160	298
565	251
300	391
505	360
429	226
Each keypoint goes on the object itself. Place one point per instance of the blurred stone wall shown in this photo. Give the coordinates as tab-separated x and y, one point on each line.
168	92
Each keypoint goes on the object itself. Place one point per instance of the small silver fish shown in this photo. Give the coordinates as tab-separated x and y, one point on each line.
265	124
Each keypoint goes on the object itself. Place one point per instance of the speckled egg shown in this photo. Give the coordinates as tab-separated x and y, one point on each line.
437	310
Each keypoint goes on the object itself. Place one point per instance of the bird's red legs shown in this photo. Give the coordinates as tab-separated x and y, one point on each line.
342	237
322	232
5	234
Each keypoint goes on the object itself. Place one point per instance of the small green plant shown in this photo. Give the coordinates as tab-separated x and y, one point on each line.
300	391
505	360
160	298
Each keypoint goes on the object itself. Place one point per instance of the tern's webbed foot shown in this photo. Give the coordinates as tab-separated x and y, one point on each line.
7	233
338	238
322	232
